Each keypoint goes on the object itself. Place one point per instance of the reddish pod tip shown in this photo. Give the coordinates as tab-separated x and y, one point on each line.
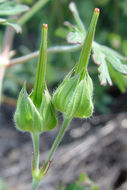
45	26
96	10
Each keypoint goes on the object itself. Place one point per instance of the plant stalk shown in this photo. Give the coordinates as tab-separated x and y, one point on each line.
55	49
36	7
78	21
35	139
61	133
4	56
34	185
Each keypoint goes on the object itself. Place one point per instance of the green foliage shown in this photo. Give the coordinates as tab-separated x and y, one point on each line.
75	37
107	55
124	47
83	183
120	80
102	56
110	63
35	113
2	185
115	40
10	8
27	1
6	22
111	25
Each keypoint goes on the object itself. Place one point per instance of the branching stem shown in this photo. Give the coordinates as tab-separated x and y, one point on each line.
56	49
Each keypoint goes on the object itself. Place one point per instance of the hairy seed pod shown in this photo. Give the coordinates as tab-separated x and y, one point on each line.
31	119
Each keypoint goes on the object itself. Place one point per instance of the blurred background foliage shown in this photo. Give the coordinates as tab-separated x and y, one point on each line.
111	31
82	183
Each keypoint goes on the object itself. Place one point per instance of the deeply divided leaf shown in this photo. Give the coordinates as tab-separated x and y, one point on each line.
12	8
75	37
99	59
16	27
110	66
119	79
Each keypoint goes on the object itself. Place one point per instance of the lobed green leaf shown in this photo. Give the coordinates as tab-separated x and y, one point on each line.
75	37
12	8
6	22
119	79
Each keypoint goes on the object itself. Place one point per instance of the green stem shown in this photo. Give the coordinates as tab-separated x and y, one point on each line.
35	139
34	185
86	49
41	69
27	16
55	49
75	13
58	138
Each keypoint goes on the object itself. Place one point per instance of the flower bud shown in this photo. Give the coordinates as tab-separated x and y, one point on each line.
74	97
27	117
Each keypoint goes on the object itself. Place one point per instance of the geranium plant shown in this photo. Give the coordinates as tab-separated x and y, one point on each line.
36	112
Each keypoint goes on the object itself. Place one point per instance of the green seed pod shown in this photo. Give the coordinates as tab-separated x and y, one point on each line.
64	92
47	112
74	97
35	112
81	102
27	117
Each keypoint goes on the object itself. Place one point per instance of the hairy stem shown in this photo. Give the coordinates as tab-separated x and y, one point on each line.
7	43
36	7
8	40
35	139
34	185
56	49
58	138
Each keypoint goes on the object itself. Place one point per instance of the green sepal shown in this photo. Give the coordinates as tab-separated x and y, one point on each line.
27	117
47	112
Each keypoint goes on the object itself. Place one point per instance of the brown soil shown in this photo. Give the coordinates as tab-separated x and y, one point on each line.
97	146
